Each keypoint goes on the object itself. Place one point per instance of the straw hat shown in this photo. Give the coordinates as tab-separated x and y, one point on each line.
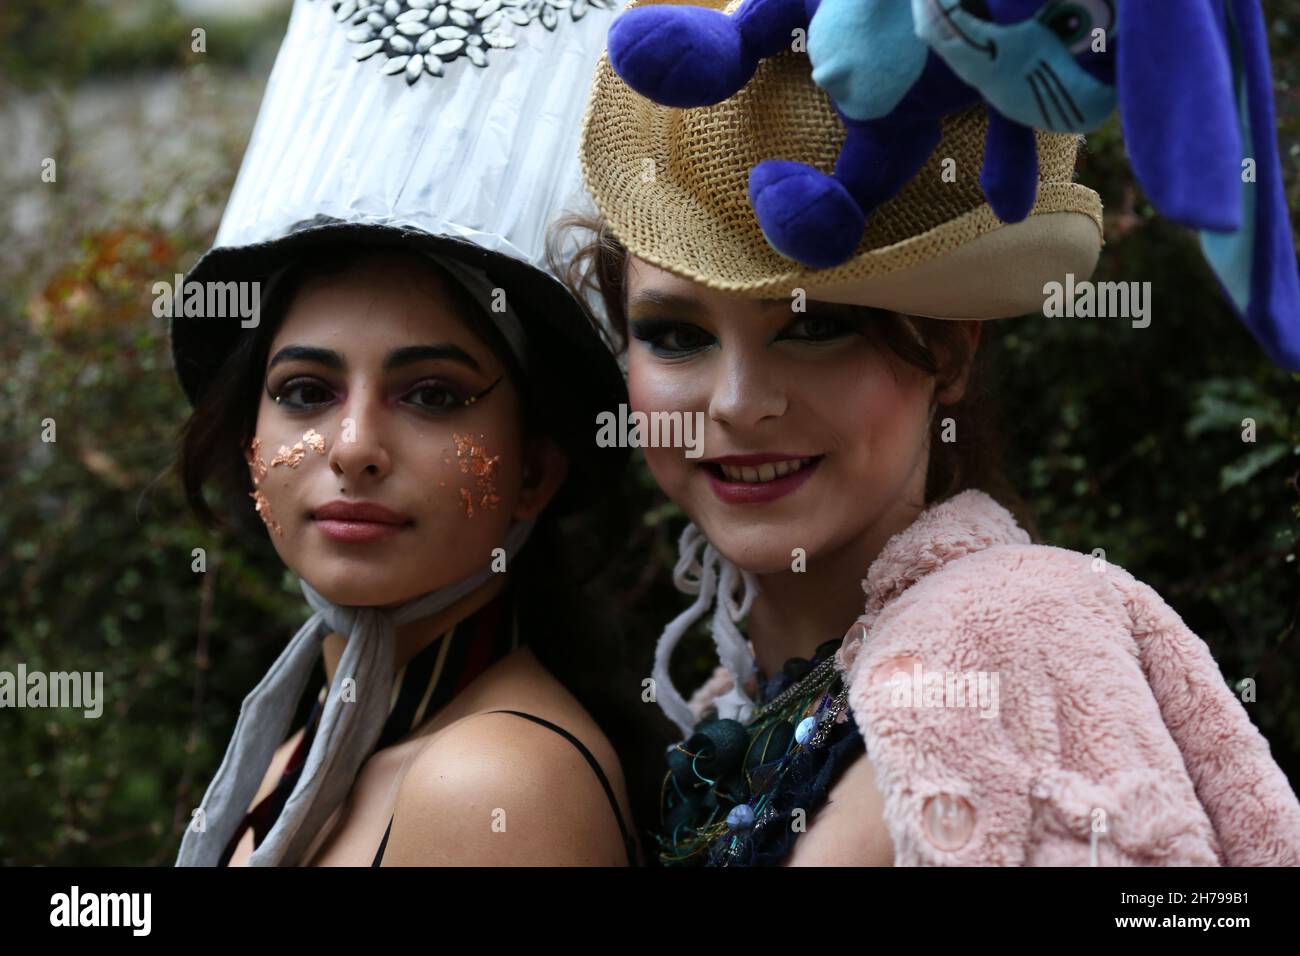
672	183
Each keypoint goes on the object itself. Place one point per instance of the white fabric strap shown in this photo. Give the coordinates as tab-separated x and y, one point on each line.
484	292
474	281
702	570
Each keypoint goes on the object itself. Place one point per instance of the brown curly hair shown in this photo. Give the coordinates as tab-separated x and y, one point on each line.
596	274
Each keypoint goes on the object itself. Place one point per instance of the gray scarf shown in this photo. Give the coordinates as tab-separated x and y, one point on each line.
348	732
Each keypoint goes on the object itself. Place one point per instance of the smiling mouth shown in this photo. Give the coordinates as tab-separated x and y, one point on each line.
760	474
758	483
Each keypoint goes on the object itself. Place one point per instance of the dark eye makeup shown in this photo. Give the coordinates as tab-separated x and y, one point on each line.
669	338
302	393
666	337
438	396
824	326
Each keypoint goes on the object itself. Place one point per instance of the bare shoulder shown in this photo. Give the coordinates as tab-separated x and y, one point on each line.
495	789
498	789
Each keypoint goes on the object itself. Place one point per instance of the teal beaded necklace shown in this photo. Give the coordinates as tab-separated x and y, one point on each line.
720	781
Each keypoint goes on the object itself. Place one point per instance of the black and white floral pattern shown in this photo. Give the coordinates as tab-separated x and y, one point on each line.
417	37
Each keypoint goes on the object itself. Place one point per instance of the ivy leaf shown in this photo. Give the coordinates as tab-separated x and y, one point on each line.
1245	468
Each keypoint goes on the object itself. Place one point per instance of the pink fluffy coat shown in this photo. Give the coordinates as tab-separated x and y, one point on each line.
1105	734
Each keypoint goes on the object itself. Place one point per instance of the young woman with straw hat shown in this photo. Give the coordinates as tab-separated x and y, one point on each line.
408	415
1017	703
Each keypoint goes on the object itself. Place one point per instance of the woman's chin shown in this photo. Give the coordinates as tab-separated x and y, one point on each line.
757	553
384	584
357	587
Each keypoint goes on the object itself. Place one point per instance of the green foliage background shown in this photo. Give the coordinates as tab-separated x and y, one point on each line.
1123	439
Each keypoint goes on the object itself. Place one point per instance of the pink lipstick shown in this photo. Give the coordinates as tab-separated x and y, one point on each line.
755	478
358	521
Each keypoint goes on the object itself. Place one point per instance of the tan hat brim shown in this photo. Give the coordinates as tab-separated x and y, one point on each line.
672	184
999	273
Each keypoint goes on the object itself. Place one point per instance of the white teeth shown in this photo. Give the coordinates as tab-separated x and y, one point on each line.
766	472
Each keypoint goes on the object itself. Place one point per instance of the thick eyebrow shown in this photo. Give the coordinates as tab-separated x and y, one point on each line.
395	359
325	357
681	303
418	353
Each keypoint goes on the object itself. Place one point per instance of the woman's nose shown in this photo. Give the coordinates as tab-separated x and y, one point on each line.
745	391
360	448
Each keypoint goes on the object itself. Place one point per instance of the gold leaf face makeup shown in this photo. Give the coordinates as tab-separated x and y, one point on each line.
314	440
256	466
290	456
285	456
293	456
263	508
474	461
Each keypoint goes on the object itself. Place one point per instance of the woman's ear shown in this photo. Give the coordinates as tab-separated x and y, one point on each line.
545	468
953	392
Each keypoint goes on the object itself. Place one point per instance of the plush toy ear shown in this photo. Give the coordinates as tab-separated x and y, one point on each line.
1256	265
1178	112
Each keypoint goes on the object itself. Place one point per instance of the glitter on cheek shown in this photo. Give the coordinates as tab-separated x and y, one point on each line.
314	440
255	463
474	461
263	508
290	456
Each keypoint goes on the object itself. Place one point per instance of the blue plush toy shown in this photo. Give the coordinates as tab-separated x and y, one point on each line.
888	87
1196	106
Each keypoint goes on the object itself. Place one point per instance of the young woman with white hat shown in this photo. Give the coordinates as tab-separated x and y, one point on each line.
408	416
993	700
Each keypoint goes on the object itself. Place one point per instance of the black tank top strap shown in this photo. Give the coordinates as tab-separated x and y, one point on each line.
379	857
628	843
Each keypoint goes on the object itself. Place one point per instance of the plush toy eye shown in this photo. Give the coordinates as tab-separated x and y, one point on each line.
1075	20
